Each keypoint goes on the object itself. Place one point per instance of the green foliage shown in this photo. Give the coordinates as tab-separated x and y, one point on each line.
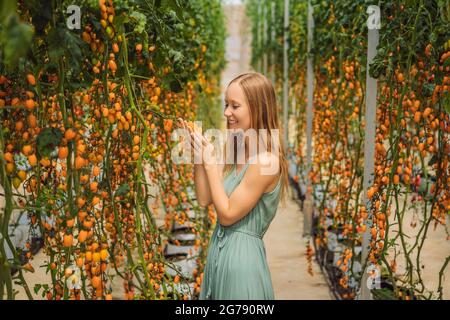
15	36
176	28
47	140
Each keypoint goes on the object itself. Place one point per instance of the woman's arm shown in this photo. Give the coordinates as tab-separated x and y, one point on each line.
244	198
202	189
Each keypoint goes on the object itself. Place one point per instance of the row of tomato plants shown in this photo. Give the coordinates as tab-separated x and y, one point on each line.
85	140
409	197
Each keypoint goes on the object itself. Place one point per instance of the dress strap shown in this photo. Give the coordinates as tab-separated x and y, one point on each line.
243	169
274	189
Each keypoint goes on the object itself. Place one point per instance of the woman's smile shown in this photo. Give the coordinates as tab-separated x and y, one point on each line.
232	122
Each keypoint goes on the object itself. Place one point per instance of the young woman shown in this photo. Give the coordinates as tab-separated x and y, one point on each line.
245	196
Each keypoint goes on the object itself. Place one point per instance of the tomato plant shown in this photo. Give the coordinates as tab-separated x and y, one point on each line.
90	112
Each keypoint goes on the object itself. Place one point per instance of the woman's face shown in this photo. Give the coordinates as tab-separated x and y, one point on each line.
236	110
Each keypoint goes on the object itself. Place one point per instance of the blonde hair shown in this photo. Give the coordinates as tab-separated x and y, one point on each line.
261	99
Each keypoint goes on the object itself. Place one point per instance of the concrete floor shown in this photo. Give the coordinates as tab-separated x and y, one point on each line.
286	255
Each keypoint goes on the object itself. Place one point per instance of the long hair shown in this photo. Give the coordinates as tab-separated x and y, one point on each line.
261	99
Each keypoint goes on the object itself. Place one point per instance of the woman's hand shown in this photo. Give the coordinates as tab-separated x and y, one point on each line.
202	188
183	124
209	152
202	147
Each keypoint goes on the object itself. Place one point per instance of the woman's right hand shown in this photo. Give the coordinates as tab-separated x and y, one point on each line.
187	126
202	188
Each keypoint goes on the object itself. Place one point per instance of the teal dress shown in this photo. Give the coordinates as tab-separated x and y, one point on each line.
236	265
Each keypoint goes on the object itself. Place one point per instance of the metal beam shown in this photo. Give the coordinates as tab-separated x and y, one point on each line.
308	204
264	37
272	38
369	141
285	72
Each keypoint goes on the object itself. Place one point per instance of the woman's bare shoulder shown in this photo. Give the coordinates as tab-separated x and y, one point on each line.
266	160
266	165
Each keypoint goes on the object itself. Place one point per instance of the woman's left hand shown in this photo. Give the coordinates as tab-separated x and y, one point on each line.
208	152
202	147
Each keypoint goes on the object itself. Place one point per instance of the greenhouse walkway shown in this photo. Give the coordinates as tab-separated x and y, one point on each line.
286	255
285	246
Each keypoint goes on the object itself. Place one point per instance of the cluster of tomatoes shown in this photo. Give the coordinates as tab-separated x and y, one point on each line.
85	150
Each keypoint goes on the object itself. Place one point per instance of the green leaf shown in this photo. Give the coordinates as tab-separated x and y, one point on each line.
63	42
428	89
122	190
433	160
173	83
447	107
175	86
119	21
15	38
173	6
7	7
164	288
141	20
176	55
37	287
383	294
41	11
47	141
